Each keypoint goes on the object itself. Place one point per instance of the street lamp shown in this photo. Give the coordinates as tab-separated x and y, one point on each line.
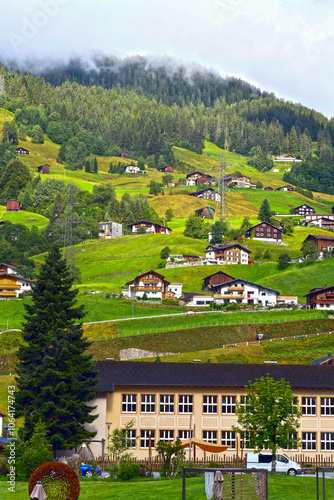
108	425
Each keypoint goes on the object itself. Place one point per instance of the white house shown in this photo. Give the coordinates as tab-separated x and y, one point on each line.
231	253
154	285
240	291
132	169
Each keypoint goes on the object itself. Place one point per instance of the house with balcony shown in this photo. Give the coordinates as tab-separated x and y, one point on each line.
303	210
12	285
320	298
150	227
239	291
110	230
206	194
230	253
324	243
154	285
322	222
197	178
169	400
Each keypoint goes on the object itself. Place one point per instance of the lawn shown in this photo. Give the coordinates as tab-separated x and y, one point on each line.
280	488
29	219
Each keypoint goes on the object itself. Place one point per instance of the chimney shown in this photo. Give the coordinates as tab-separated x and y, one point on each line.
329	354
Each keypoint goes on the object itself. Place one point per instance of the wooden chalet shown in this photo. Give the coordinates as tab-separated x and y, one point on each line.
230	253
285	188
6	268
322	222
44	169
215	279
320	298
13	206
323	243
154	285
264	231
207	194
168	169
11	285
269	188
205	213
22	151
326	361
303	210
197	178
286	157
150	227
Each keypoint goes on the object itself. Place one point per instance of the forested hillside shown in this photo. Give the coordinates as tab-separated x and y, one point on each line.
113	106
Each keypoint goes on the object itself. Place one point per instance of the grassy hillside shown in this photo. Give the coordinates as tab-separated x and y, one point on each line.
29	219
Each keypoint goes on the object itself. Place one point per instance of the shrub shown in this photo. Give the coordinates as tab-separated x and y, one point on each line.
128	470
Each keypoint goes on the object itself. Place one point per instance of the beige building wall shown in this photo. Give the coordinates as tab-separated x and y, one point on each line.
206	425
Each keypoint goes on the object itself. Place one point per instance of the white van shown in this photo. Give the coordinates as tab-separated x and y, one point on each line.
264	461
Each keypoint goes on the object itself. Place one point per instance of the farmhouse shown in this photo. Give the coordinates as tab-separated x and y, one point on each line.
323	243
13	206
44	169
320	298
22	151
285	188
315	217
132	169
150	227
154	285
303	210
264	231
12	285
207	194
286	157
322	222
196	178
168	169
240	291
205	213
215	279
231	253
169	400
268	188
110	230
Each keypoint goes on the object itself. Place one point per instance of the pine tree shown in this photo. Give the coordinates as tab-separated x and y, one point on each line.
95	165
55	378
265	214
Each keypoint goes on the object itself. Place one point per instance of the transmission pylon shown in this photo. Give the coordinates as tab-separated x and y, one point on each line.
224	215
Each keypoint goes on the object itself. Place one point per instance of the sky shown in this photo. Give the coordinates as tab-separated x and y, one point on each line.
282	46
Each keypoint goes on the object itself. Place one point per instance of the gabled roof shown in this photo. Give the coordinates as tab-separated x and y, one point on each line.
148	223
218	272
321	360
137	278
268	224
203	191
303	205
197	172
239	280
7	265
228	245
201	209
319	290
131	373
320	237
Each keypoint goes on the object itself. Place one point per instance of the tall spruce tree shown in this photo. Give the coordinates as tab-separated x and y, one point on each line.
55	378
265	213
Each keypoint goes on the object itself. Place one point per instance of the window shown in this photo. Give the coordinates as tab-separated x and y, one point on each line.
228	439
166	435
148	403
145	438
185	404
209	404
309	441
294	441
327	441
327	406
210	436
308	406
185	434
129	403
228	404
130	437
166	403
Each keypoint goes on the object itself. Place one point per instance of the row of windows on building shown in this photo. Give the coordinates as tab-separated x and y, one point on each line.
168	403
147	438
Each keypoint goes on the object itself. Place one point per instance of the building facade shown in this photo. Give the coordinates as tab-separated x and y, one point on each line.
13	206
304	210
169	400
154	285
320	298
264	231
110	230
206	213
215	279
324	243
207	194
44	169
150	227
232	253
240	291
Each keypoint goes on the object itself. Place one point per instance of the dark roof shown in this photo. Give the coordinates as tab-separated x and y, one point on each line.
268	223
144	274
188	296
303	205
202	191
198	172
218	272
149	223
131	373
237	280
228	245
320	237
321	360
319	290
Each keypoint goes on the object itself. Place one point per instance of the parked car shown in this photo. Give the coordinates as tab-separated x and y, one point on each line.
190	313
264	461
90	471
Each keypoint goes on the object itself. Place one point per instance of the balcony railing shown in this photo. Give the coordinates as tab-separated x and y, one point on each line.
236	288
229	296
148	288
